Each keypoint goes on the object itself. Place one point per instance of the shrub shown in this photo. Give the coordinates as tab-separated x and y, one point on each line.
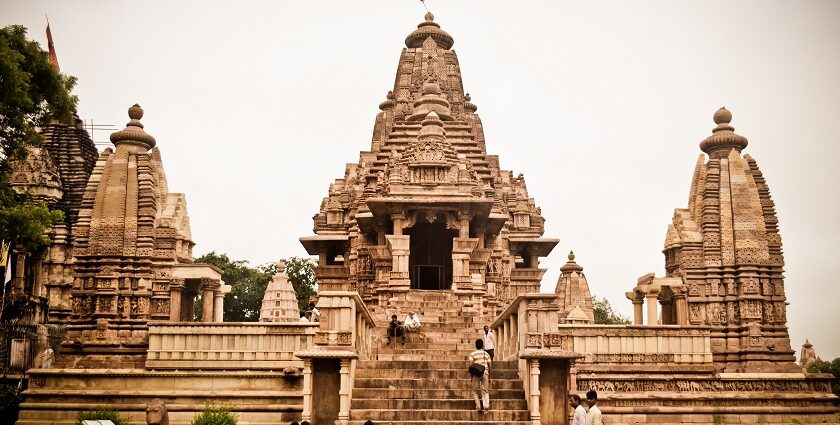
10	398
102	414
215	415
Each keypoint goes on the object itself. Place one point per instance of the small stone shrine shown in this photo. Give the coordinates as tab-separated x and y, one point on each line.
280	302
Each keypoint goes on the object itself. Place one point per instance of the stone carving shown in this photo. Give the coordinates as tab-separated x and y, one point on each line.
705	385
632	358
156	413
45	359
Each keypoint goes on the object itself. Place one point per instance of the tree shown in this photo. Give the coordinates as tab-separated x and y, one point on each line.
832	367
604	313
32	94
302	277
247	287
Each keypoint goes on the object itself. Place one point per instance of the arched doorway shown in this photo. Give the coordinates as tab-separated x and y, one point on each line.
430	261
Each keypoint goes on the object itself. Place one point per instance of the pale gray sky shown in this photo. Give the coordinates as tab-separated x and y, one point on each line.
257	106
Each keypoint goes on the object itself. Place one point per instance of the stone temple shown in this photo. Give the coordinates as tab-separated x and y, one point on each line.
425	221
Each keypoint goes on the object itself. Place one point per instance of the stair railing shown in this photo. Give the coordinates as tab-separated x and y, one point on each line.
526	332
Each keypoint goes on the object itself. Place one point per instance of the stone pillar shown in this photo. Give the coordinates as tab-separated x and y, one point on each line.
307	390
399	222
637	300
20	263
534	391
344	392
175	302
208	286
651	307
218	306
399	247
462	248
680	305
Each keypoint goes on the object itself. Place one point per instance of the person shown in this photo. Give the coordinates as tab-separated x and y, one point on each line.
489	341
395	329
411	322
481	385
579	417
303	318
314	314
593	416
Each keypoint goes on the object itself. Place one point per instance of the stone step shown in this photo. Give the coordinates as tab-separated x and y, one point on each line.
439	414
430	374
447	422
433	403
446	384
436	394
429	364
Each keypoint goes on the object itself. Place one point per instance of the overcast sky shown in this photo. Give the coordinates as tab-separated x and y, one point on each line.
257	106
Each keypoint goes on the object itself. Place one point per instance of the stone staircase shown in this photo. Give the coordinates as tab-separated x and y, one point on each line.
425	380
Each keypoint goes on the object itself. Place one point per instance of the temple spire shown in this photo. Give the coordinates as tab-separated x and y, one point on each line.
426	29
51	47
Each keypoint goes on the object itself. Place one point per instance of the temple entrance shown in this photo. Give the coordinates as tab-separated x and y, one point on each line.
430	261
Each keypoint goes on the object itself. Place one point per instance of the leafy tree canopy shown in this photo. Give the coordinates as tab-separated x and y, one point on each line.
32	93
301	274
604	313
247	283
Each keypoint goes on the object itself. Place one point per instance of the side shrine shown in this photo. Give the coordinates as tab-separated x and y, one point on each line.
425	222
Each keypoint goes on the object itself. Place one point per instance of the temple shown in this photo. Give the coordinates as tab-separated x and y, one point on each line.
426	221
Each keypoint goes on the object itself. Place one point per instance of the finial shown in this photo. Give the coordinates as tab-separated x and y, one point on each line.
723	138
133	132
469	106
430	17
571	265
429	28
571	256
281	266
722	116
388	103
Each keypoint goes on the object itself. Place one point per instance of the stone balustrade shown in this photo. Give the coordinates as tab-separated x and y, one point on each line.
227	346
636	343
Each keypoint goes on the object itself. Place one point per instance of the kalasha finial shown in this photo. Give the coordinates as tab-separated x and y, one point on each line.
388	102
722	116
571	265
133	132
430	17
135	112
723	138
571	256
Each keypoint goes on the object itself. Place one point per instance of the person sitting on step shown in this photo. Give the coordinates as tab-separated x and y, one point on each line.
395	329
412	323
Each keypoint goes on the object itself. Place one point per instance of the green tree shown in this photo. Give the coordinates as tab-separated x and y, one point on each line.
247	287
832	367
301	274
604	313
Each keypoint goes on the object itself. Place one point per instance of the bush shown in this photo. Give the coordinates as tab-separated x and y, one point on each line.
102	414
215	415
10	398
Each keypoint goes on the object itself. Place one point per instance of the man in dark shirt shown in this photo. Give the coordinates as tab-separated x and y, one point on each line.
395	329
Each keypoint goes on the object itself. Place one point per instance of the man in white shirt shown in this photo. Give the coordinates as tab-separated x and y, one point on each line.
481	385
489	341
411	322
579	416
593	416
314	314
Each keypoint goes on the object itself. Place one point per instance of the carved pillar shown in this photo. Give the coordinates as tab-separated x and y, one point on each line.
175	302
637	300
462	248
534	391
208	286
399	223
399	247
680	305
344	392
307	390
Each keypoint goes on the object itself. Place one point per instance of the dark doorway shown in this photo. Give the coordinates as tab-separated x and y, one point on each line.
430	261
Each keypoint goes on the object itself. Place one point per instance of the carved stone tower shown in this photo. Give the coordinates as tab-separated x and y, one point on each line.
727	250
426	208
